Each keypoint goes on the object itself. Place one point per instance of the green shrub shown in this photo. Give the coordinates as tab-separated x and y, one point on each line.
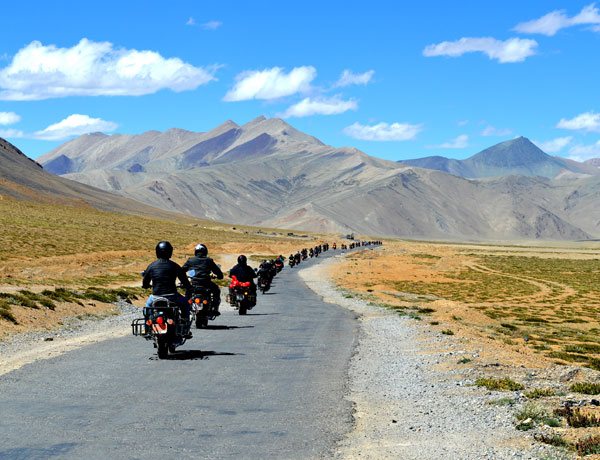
504	384
587	388
540	393
551	439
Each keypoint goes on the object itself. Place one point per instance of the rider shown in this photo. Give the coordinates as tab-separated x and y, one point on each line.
203	266
162	275
264	272
243	273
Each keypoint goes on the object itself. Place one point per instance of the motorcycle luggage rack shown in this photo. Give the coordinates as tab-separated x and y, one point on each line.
138	327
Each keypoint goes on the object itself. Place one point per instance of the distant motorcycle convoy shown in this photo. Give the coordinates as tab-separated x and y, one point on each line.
168	315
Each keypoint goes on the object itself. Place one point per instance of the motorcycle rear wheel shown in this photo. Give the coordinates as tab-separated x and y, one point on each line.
163	349
201	321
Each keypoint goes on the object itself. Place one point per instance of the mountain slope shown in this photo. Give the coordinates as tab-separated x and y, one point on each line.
24	179
267	173
593	162
518	156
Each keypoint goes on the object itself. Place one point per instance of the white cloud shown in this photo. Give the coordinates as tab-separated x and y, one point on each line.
9	118
94	69
349	78
320	106
383	131
211	25
554	145
511	50
11	133
585	152
556	20
588	121
74	125
459	142
492	131
190	22
271	83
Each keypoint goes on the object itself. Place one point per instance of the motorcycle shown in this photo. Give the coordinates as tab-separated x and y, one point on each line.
241	296
264	281
201	302
164	325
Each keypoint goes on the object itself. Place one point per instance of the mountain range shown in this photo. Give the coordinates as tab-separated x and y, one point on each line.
268	173
518	156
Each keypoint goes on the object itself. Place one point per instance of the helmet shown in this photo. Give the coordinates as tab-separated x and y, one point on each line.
242	260
201	250
164	250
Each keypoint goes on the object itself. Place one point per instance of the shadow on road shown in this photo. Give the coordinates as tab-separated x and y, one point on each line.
191	355
261	314
224	328
56	450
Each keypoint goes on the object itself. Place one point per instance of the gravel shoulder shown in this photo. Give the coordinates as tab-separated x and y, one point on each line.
408	402
25	348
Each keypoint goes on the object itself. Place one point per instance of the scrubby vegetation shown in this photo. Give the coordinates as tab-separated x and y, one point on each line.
540	393
546	301
587	388
503	384
48	298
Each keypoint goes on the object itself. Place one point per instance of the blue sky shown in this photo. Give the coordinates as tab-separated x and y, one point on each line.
396	79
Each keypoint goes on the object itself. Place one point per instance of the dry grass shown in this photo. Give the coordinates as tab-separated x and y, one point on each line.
545	300
42	243
44	246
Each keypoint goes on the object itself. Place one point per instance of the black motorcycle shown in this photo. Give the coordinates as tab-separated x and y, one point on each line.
164	324
202	303
263	281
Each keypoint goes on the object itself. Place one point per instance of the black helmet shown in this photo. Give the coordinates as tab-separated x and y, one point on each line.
201	250
164	250
242	260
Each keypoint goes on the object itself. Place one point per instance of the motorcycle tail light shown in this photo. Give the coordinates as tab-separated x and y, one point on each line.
149	322
205	302
160	320
190	301
197	300
169	321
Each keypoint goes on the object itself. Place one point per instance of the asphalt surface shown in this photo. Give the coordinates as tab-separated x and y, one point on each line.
267	385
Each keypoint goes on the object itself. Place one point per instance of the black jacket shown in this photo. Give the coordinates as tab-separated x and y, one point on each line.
162	275
203	266
243	273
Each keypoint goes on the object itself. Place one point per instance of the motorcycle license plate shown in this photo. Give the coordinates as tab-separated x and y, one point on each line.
159	328
240	297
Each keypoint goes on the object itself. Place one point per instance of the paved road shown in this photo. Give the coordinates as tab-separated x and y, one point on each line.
268	385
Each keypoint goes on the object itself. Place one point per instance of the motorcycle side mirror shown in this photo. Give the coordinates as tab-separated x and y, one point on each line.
143	273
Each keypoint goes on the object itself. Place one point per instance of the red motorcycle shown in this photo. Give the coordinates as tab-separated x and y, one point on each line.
241	296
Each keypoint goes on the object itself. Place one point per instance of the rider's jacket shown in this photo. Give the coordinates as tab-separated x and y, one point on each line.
203	267
162	274
243	273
